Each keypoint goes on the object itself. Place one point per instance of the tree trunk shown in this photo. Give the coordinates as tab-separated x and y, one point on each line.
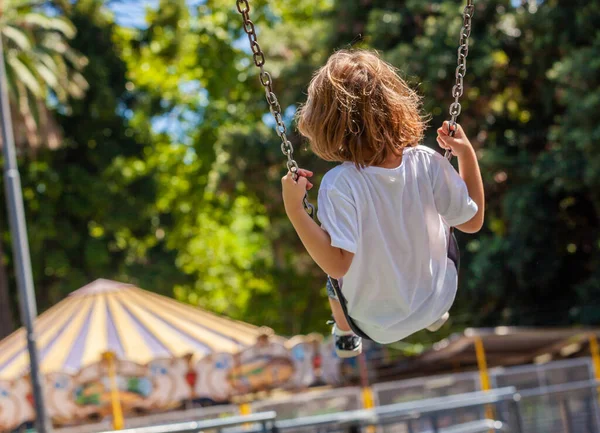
6	316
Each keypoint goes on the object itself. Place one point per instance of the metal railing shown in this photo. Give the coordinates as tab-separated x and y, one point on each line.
521	377
562	408
551	409
265	422
404	413
354	421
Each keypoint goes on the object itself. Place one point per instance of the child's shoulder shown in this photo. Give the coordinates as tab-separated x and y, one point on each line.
421	151
340	174
425	158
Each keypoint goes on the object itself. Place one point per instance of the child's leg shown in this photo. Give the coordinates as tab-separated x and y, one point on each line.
347	343
338	314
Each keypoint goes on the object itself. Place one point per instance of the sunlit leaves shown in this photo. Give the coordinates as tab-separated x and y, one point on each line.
42	67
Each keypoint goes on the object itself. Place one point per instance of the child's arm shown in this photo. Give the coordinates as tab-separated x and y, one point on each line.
335	262
468	168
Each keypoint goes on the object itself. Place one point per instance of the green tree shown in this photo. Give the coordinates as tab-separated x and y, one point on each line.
41	70
531	106
94	210
250	160
169	176
176	66
529	78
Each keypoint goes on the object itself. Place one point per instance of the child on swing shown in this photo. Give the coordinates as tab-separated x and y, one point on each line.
387	208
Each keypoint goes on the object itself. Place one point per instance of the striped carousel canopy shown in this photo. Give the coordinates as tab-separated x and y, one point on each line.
135	324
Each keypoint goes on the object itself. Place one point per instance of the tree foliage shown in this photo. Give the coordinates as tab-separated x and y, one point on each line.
169	174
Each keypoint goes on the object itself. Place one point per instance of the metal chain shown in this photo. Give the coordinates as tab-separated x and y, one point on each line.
266	80
461	69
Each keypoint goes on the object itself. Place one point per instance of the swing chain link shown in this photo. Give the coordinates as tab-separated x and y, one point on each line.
461	70
266	80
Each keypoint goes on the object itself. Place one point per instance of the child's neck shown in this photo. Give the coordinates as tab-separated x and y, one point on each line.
391	162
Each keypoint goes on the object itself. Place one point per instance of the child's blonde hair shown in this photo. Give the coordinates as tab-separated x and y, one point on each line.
359	110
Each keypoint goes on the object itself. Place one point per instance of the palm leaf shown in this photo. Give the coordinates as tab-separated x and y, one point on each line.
54	43
18	37
29	121
78	85
46	58
39	63
12	83
63	26
41	21
25	75
32	108
62	92
78	60
48	76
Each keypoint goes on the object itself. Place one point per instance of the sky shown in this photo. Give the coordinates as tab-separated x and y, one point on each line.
132	13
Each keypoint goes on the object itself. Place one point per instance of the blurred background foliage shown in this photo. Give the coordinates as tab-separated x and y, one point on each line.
147	154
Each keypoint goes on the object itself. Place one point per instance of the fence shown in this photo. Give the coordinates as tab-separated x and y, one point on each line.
260	422
565	408
168	418
313	403
433	415
407	415
521	377
555	397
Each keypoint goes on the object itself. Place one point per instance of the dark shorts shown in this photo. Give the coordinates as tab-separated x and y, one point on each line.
330	290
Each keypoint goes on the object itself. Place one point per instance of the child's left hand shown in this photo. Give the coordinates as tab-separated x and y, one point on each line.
294	190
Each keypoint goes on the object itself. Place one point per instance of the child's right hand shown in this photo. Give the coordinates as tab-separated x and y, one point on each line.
458	144
294	190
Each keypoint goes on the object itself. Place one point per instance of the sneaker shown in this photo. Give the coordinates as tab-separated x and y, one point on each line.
347	344
435	326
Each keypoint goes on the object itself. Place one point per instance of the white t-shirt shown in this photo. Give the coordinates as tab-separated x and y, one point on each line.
396	222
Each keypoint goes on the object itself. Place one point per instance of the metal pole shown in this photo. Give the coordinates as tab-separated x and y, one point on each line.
595	352
566	415
18	229
483	372
589	409
516	404
435	425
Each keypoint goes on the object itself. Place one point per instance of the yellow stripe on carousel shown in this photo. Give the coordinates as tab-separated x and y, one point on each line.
135	347
244	333
213	340
97	339
173	341
54	359
46	326
199	315
58	354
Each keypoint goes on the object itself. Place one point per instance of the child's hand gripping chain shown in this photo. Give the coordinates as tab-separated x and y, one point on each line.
457	144
461	147
295	189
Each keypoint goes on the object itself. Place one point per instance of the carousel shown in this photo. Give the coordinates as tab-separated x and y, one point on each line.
113	350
